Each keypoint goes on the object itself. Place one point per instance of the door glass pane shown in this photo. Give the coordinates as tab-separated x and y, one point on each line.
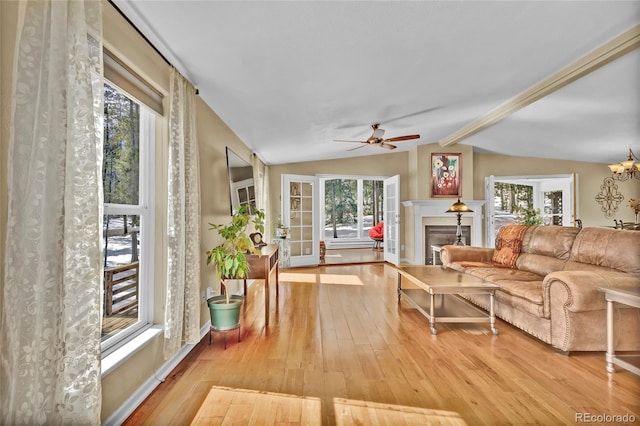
301	218
390	231
553	208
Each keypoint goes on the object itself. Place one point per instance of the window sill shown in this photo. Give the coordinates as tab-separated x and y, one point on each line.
116	358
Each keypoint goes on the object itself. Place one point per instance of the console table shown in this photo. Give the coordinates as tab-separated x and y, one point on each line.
630	297
261	266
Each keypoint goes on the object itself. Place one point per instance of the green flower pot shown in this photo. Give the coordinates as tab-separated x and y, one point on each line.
225	316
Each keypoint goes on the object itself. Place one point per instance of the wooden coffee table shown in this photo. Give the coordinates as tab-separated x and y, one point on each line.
436	297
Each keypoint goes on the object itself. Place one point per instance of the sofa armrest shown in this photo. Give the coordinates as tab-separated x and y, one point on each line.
451	253
577	291
577	310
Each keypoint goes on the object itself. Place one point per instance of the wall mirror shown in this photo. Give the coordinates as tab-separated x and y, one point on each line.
241	185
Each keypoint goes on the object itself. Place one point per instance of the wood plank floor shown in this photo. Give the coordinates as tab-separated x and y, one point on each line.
338	336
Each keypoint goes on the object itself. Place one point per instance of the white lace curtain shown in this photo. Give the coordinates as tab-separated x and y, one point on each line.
51	305
182	310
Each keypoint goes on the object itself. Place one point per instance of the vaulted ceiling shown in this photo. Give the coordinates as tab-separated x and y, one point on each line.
290	77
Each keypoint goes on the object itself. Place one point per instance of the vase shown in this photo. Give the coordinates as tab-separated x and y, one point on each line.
225	316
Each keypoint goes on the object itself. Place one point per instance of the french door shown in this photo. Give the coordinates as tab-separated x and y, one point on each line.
300	198
392	220
300	215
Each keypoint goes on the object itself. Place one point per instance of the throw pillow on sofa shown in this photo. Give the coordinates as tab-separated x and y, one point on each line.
509	244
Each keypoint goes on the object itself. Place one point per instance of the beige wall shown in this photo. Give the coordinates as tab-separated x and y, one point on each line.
387	165
414	169
213	137
590	177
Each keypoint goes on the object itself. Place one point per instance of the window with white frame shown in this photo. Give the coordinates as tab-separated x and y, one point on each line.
127	173
352	206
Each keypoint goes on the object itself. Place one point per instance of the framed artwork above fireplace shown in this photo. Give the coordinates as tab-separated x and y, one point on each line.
446	178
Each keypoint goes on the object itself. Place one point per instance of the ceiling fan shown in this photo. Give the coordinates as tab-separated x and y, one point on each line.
377	140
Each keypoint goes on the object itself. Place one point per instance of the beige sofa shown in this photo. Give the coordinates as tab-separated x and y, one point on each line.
552	290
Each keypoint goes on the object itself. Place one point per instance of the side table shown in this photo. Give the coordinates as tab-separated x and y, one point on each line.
631	297
435	254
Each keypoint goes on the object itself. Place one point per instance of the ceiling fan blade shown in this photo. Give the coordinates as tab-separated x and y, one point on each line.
413	114
357	147
384	120
344	140
402	138
387	146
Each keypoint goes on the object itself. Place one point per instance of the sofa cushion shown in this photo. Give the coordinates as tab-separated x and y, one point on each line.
545	249
539	264
525	296
498	275
552	240
610	248
519	289
509	244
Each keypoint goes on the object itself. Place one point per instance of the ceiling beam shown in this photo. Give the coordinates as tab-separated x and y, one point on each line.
608	52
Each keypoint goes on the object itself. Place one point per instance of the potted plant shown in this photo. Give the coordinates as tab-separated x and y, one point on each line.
529	216
230	260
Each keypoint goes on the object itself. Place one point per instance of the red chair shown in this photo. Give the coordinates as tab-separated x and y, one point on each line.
377	235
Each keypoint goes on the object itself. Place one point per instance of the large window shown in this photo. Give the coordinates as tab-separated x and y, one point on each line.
127	174
352	206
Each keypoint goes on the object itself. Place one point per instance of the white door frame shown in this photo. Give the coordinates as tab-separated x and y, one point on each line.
392	220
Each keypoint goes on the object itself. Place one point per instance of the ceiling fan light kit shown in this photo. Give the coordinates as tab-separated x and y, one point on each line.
376	139
626	169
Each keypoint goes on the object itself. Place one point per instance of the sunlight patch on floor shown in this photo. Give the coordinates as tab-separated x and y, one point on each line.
297	277
349	411
340	279
225	405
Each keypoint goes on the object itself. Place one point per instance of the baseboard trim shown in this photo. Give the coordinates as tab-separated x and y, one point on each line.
129	406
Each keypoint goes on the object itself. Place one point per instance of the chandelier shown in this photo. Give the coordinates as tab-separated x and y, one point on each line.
626	169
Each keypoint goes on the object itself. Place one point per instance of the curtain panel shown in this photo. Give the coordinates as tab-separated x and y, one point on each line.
51	308
182	302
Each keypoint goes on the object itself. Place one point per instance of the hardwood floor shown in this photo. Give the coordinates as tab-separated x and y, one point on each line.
338	336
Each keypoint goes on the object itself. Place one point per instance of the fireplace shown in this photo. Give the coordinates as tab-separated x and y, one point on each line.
440	235
432	213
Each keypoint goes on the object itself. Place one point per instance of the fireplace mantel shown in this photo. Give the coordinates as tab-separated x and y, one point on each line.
437	208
